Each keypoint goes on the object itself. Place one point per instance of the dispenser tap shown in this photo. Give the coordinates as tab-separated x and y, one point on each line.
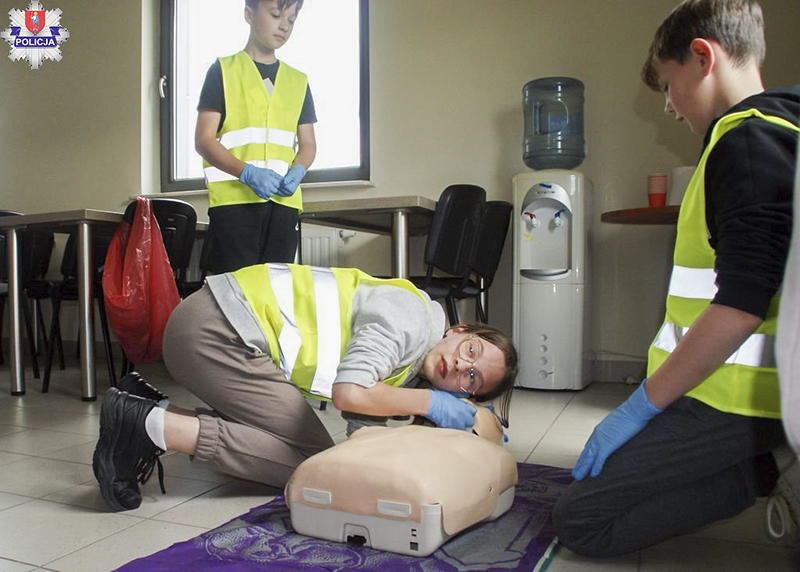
530	219
557	220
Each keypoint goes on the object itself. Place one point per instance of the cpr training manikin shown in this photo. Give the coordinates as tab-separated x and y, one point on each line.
404	489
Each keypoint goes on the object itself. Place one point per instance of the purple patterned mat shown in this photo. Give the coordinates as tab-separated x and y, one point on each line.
263	539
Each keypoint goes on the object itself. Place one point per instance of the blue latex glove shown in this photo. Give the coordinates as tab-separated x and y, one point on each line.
450	412
614	431
490	407
291	180
264	182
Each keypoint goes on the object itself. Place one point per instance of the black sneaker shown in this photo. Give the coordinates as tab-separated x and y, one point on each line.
125	456
135	384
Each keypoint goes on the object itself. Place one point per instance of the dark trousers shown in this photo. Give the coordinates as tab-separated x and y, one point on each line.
244	235
690	466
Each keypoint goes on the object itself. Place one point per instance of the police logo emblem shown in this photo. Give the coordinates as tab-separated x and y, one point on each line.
35	35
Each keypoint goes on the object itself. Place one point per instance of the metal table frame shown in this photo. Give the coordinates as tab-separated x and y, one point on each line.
399	217
57	222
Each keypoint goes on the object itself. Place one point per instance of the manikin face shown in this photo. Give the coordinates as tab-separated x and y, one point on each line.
446	368
270	27
687	89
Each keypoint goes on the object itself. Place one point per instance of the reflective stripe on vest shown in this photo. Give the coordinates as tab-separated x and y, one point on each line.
259	129
758	350
305	343
747	383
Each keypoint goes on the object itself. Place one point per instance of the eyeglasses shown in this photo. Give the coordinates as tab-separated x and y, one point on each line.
470	349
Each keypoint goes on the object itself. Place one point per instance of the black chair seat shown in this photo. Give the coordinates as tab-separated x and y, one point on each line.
68	289
437	287
38	289
471	290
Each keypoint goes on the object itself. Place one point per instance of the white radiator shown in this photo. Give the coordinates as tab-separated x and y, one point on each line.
319	246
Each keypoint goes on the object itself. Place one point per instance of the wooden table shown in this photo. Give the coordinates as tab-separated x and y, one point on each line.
644	215
87	222
399	217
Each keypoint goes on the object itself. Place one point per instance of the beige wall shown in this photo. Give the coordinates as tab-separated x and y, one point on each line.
446	81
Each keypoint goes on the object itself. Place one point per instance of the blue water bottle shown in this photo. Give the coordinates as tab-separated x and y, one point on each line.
553	110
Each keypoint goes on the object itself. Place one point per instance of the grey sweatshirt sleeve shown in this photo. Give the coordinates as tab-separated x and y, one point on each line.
392	328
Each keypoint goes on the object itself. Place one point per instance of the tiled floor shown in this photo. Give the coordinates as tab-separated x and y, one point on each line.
53	518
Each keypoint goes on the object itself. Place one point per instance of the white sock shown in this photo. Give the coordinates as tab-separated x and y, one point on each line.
154	425
163	404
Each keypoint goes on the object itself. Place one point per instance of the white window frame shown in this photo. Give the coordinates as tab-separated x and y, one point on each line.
177	124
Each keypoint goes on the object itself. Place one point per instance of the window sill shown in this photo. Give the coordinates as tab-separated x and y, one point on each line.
333	185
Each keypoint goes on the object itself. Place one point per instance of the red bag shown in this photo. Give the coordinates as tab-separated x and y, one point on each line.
138	285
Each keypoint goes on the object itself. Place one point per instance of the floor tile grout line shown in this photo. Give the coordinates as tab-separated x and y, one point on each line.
141	520
550	426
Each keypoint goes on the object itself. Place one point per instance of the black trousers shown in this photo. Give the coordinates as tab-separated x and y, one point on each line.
244	235
690	466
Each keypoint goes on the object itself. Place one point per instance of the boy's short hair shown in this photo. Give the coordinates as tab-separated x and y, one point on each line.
282	4
506	345
737	25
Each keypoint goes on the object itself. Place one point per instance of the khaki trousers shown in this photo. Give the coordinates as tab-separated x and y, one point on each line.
261	427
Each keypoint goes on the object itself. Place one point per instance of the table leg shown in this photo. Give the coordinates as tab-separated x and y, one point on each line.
400	244
15	314
86	312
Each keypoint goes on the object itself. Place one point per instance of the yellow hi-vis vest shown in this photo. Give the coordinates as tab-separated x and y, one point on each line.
258	129
305	313
747	383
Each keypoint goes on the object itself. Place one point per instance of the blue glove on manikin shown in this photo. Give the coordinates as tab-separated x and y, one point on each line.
264	182
291	180
450	412
614	431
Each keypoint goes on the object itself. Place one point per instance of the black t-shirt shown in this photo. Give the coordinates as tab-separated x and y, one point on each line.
749	183
212	95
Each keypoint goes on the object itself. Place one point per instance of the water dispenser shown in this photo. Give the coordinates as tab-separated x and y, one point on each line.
552	212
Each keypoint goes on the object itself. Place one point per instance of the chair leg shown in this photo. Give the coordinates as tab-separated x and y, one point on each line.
61	365
42	326
2	309
480	312
54	334
31	340
452	311
107	342
127	366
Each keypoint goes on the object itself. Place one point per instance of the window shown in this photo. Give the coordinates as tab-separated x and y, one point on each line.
329	43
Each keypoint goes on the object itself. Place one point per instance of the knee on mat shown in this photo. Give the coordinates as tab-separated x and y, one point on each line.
577	530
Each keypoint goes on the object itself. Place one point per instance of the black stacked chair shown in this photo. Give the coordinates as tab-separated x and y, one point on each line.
205	266
67	290
177	220
35	250
486	255
450	242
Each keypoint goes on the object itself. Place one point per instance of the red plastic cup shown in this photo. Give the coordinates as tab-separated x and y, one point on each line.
657	189
657	199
